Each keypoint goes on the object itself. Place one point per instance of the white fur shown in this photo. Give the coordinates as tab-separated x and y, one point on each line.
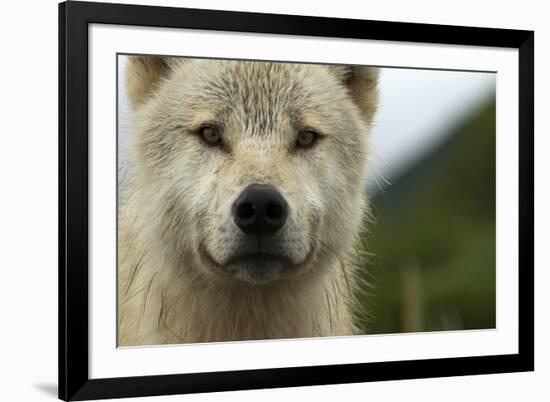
176	233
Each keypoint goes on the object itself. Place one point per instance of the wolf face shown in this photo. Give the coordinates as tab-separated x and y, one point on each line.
250	171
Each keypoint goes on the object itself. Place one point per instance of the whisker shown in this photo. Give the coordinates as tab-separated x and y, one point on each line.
147	292
161	313
342	265
134	272
329	313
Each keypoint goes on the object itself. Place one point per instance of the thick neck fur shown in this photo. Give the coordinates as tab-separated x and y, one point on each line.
162	303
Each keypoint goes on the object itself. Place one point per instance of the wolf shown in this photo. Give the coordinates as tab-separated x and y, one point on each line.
244	199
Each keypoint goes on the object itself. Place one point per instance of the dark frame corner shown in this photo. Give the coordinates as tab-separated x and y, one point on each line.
74	17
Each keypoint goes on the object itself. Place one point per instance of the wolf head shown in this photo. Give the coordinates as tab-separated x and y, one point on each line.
249	171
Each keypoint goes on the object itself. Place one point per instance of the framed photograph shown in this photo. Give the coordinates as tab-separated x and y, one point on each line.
258	201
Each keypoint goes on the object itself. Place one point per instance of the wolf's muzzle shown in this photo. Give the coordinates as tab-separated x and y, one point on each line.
260	210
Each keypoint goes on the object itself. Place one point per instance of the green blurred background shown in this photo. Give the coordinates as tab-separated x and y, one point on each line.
429	256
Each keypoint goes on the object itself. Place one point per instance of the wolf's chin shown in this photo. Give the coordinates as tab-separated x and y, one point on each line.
260	272
256	268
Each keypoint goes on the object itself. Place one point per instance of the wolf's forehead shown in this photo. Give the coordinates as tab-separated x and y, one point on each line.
261	83
260	93
261	75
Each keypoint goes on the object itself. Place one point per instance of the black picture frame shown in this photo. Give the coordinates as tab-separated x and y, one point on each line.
74	18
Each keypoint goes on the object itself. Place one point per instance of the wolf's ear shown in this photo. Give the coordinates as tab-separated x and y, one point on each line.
362	83
144	73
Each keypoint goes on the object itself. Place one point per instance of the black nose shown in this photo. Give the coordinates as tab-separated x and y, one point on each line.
260	210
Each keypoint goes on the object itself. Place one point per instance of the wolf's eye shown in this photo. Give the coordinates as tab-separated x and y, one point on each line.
306	138
210	134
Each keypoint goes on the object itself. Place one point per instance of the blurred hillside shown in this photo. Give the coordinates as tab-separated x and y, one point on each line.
431	251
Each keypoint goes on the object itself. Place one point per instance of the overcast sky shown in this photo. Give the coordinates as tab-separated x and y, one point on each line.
416	110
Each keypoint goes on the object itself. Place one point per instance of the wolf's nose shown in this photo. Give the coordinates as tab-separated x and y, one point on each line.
260	210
